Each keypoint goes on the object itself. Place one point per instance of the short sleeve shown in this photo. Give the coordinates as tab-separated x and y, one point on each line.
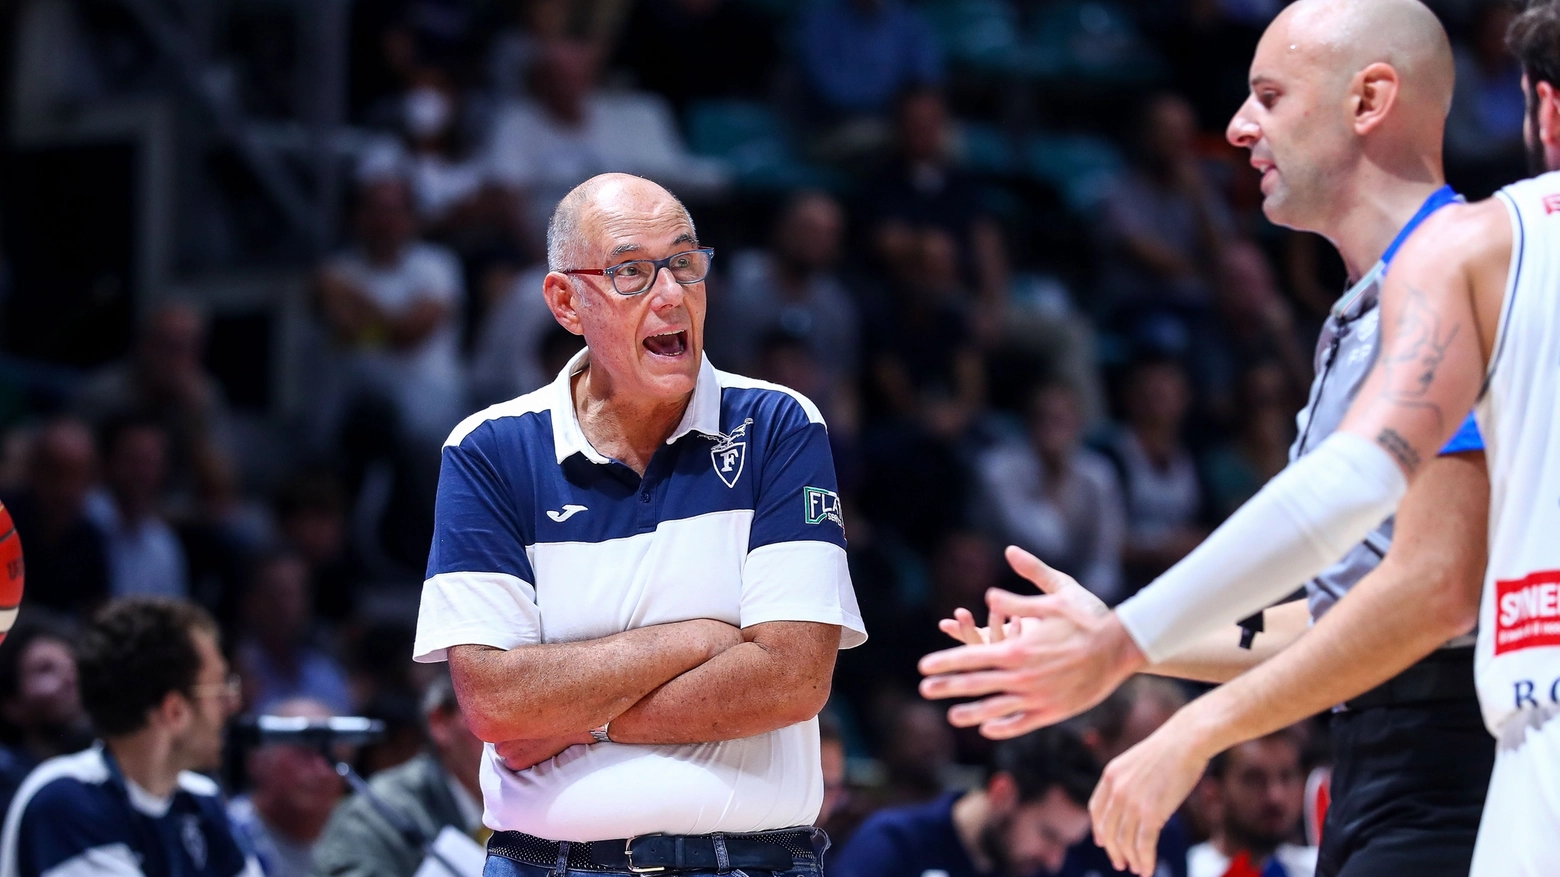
795	568
1466	439
480	589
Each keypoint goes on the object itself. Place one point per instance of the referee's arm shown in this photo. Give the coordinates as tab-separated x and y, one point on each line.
1425	592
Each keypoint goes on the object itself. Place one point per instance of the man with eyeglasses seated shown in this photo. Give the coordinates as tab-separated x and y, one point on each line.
155	684
638	577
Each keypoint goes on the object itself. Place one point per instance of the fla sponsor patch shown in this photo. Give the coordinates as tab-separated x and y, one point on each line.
822	505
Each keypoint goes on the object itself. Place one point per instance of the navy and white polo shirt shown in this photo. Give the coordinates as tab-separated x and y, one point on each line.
76	816
540	539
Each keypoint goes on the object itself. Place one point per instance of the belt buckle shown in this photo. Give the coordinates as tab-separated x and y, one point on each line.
628	853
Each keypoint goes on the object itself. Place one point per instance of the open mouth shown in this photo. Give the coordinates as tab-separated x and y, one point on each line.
668	344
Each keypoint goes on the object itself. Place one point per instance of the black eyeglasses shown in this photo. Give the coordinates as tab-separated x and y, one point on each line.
632	278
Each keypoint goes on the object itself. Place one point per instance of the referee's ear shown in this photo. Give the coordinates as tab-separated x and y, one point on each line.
564	300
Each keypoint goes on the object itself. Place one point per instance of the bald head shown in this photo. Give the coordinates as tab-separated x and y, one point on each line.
574	230
1346	36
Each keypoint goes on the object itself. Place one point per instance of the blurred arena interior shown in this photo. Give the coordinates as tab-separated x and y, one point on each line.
257	257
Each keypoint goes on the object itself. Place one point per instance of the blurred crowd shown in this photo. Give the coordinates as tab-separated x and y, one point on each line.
1002	244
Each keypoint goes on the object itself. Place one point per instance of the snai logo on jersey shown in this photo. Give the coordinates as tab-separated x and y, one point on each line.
1527	612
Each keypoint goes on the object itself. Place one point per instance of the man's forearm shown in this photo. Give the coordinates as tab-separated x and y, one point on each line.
759	686
1435	566
1218	657
558	689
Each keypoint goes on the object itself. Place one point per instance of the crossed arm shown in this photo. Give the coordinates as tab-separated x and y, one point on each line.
693	681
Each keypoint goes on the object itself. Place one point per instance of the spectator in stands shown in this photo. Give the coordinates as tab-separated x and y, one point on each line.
1484	129
719	49
1164	226
1164	495
1056	499
437	789
917	752
294	789
392	303
855	56
452	190
1260	788
1121	721
311	519
506	361
922	187
155	684
925	387
572	131
275	655
1260	448
67	555
534	24
1031	809
923	355
831	749
164	380
40	702
1255	323
144	554
794	286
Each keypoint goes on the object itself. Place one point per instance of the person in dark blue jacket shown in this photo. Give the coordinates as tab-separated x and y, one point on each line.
158	691
1032	809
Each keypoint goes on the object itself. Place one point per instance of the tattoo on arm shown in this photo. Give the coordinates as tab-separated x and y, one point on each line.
1399	448
1411	365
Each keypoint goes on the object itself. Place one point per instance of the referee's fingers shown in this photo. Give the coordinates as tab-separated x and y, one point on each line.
968	714
974	684
1107	824
1020	723
961	659
1035	570
1143	848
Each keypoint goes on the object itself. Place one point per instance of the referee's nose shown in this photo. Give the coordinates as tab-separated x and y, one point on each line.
1243	131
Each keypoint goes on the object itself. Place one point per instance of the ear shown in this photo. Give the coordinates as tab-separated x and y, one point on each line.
1002	792
173	714
1375	92
564	300
1548	114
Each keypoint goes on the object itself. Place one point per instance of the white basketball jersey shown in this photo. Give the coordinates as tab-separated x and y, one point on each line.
1518	665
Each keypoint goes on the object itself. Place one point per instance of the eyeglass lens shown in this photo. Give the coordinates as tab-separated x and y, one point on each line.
635	277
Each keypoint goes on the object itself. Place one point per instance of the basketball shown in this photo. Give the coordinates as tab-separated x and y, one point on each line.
11	572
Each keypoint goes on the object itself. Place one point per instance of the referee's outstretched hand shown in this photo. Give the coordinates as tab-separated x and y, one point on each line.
1065	654
1142	787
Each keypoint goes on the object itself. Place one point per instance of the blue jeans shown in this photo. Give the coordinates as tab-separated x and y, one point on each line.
498	866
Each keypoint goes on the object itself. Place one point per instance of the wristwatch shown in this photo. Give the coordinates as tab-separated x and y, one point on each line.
600	734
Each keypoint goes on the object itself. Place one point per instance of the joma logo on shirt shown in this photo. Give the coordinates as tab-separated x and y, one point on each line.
822	505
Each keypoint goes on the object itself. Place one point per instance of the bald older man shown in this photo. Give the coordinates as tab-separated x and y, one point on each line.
1348	102
638	577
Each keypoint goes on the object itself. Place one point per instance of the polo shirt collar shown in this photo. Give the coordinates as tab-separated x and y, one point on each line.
702	415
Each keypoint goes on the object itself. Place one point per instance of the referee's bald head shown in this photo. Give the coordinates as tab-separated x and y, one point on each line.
1339	87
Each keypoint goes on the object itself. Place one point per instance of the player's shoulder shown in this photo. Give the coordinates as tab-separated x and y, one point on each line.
518	415
1466	235
785	408
75	785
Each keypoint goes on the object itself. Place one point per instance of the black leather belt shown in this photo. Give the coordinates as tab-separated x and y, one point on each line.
1445	674
663	853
